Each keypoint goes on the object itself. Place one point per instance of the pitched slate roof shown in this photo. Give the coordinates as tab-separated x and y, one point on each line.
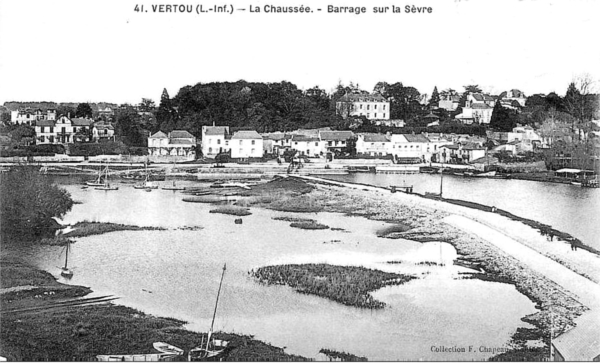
76	121
472	146
362	98
305	138
249	134
180	134
216	130
159	135
375	138
480	106
336	135
416	138
478	96
179	141
581	343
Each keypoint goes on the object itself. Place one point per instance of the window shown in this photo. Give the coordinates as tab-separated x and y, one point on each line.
368	106
252	151
210	150
374	107
316	143
361	106
241	143
368	115
226	142
384	115
372	144
253	142
51	129
218	141
375	114
384	108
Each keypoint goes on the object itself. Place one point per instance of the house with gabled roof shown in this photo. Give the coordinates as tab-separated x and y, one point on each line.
373	144
215	139
309	145
177	143
64	130
372	106
335	141
246	144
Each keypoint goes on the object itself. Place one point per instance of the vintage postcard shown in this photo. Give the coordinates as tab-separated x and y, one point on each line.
291	180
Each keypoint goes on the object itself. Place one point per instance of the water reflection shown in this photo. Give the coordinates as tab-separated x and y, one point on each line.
176	273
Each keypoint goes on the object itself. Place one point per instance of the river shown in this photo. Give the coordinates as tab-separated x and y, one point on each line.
567	208
175	273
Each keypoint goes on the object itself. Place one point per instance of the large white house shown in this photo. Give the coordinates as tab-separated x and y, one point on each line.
372	106
215	139
373	144
65	130
246	144
410	148
308	145
176	143
31	116
480	113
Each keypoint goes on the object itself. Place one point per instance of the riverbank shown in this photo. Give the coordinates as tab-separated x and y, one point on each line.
45	331
426	224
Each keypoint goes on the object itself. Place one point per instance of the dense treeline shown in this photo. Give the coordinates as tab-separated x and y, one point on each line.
28	202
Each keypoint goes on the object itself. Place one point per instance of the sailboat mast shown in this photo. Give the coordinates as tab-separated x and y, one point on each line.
441	180
67	255
216	304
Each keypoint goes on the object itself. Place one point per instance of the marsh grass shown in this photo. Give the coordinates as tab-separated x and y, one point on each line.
308	225
232	210
87	228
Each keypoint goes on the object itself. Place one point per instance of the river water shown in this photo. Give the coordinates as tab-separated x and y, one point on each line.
176	273
568	208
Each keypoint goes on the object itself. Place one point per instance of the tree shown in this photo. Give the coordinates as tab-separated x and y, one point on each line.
503	119
166	112
84	110
29	201
578	100
435	98
147	105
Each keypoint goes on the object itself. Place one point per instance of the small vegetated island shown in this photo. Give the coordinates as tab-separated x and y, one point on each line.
349	285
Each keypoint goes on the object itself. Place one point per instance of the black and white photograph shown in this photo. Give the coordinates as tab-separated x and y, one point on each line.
282	180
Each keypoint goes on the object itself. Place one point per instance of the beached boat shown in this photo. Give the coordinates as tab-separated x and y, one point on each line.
576	183
211	348
106	185
98	182
167	348
65	271
173	187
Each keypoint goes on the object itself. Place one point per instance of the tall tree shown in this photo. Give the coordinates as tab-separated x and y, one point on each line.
147	105
165	112
84	110
435	98
503	119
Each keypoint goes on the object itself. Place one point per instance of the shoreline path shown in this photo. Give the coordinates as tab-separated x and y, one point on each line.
578	274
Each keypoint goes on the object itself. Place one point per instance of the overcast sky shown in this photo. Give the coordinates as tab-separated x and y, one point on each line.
78	51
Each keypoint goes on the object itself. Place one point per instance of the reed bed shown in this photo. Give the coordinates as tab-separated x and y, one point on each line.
87	228
232	210
348	285
309	225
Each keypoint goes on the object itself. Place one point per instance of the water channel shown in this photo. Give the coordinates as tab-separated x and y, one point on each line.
175	273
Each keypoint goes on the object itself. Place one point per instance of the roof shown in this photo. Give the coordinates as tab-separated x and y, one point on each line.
275	136
216	130
44	123
305	138
249	134
180	141
416	138
472	146
581	343
451	146
362	98
180	134
566	170
76	121
159	135
480	105
375	138
431	115
102	126
336	135
477	96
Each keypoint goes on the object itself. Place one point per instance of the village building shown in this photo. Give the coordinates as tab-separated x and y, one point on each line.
276	142
373	144
515	95
408	148
450	103
307	145
246	144
177	143
215	140
372	106
103	131
64	130
335	141
461	152
479	113
30	116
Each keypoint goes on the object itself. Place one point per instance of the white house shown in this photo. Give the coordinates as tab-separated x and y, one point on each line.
515	95
410	148
307	145
459	152
372	106
63	131
480	113
246	144
215	139
176	143
373	144
103	131
335	141
30	116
